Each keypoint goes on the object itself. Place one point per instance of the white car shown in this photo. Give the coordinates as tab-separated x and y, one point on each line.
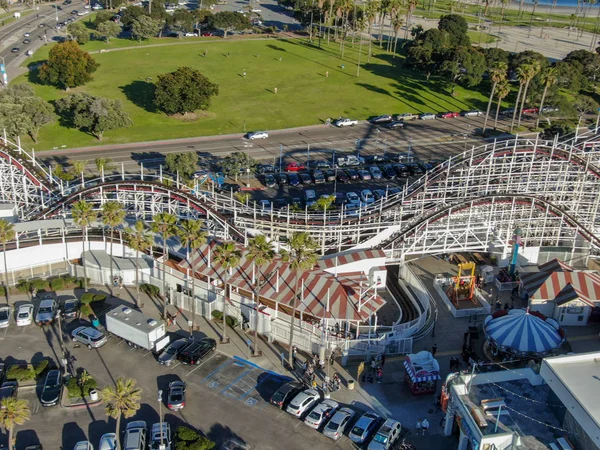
385	437
427	116
367	196
321	413
89	336
406	116
338	423
97	7
156	434
258	135
345	122
84	445
4	316
25	315
191	34
108	441
302	402
472	113
256	10
353	198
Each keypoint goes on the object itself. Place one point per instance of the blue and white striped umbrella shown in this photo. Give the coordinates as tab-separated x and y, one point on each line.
523	332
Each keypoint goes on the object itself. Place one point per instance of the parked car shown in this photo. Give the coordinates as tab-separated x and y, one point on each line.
4	316
280	203
135	436
294	179
378	194
302	402
320	164
506	112
89	336
305	178
46	311
389	172
375	159
531	110
395	125
8	389
318	177
285	393
282	179
321	413
415	169
547	109
375	172
176	395
52	388
385	437
25	315
194	352
295	167
257	135
339	422
352	174
406	117
449	115
401	170
385	118
269	180
364	427
84	445
427	116
353	198
342	177
108	441
367	197
402	157
345	122
70	308
169	354
227	188
160	433
364	175
265	168
471	113
330	175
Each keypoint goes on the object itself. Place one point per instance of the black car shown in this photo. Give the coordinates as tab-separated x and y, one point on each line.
340	199
426	166
414	169
265	168
70	308
385	118
8	389
285	394
403	157
375	159
294	179
26	41
269	180
52	388
342	176
305	178
197	350
226	188
280	203
15	50
401	170
282	179
320	164
176	395
352	174
395	125
318	177
389	172
330	175
394	191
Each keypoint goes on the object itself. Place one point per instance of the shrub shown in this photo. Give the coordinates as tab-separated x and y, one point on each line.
231	321
186	434
56	284
73	388
87	298
99	297
86	310
38	284
21	373
41	367
2	290
68	279
150	289
216	314
23	286
188	439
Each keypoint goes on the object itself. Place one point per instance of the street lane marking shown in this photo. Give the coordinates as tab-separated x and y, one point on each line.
200	365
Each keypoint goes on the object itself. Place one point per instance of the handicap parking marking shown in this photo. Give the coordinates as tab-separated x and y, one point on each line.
235	391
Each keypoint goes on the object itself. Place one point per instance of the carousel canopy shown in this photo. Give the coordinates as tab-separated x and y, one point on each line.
522	332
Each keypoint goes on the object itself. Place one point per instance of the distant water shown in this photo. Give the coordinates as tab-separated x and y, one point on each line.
570	3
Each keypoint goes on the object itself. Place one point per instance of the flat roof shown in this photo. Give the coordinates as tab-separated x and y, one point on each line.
579	376
134	318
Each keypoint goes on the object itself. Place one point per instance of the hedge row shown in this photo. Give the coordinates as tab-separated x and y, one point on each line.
230	320
27	372
150	289
65	281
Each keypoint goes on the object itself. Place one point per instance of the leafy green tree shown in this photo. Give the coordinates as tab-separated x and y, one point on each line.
232	164
301	256
7	234
184	163
165	224
113	216
229	21
144	27
456	27
549	78
188	439
130	14
589	61
122	400
108	29
94	115
39	112
228	256
584	104
139	240
527	57
13	412
79	32
324	203
185	90
181	19
495	55
502	90
68	66
103	16
78	166
83	216
22	112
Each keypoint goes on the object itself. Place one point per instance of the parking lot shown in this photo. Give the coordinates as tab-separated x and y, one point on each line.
227	398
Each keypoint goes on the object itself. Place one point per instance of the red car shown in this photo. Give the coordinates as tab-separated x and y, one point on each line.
294	167
206	33
530	110
449	115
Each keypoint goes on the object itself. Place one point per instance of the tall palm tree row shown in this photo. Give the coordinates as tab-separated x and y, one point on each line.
113	216
502	90
79	166
522	77
497	74
192	236
7	234
532	70
301	256
122	400
83	216
140	241
13	412
228	256
164	224
549	77
370	15
259	252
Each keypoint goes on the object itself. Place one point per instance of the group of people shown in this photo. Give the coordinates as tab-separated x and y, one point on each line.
310	368
375	370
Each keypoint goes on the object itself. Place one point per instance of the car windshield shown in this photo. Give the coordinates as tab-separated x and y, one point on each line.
358	431
171	350
46	309
176	397
315	415
333	425
23	315
380	438
277	396
3	314
292	406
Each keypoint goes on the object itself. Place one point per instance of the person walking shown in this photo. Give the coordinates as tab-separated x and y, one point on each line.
419	427
275	90
425	426
244	73
327	74
379	375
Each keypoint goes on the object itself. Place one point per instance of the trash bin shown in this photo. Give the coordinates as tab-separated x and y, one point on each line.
350	385
94	395
95	321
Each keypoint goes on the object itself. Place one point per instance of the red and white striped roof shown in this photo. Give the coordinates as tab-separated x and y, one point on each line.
329	262
559	282
323	295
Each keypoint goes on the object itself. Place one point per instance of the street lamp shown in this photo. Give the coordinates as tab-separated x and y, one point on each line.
162	445
63	361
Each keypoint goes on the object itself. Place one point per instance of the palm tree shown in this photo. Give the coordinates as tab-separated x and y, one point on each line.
497	74
83	216
384	7
502	90
122	400
522	76
228	256
370	14
532	70
302	255
7	234
397	26
412	4
140	241
13	412
259	252
193	237
164	223
521	8
549	77
103	165
113	216
79	166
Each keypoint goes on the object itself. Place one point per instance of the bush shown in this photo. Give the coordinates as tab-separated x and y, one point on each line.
188	439
231	321
20	373
56	284
23	286
217	315
68	279
2	290
99	297
41	367
186	434
38	284
87	298
86	310
150	289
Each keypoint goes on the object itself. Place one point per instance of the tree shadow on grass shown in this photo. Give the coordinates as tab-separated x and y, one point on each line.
140	93
33	74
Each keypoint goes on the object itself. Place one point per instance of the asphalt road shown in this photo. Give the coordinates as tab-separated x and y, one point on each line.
225	399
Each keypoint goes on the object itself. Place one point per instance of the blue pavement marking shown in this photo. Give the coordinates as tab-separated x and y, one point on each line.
219	368
233	385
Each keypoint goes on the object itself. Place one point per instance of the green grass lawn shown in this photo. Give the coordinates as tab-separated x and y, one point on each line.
305	95
8	17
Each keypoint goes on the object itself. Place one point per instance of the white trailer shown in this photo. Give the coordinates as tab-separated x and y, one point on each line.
137	329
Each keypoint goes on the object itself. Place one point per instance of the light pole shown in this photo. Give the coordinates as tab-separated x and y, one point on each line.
162	445
62	343
409	147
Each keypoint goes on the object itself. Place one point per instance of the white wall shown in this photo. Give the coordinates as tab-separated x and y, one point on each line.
364	266
545	307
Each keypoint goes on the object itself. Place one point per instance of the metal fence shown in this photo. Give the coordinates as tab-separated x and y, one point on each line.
46	270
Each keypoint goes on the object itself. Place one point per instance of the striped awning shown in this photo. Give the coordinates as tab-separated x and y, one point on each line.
421	375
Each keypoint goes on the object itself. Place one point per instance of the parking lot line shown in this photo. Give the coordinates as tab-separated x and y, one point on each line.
200	365
221	367
178	363
235	381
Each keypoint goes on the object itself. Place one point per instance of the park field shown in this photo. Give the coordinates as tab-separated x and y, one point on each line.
312	84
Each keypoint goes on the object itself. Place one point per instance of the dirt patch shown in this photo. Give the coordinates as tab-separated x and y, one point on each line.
193	116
